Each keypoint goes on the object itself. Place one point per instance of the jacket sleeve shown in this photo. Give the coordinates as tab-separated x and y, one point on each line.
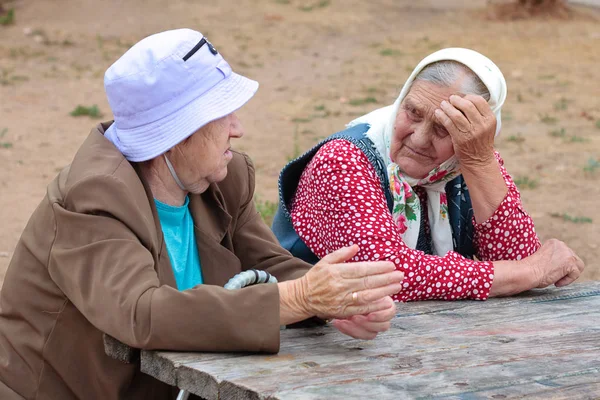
99	262
256	245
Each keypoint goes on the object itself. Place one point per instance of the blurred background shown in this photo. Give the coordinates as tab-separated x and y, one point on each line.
320	63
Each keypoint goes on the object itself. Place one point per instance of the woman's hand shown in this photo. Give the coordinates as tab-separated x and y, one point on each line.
335	289
472	125
367	327
555	263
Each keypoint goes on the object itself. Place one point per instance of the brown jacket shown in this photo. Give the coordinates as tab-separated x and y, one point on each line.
92	259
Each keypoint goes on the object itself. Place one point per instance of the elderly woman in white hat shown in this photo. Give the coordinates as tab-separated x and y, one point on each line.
138	236
419	183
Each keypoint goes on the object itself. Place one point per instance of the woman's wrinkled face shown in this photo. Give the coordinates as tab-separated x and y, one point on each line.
202	159
420	143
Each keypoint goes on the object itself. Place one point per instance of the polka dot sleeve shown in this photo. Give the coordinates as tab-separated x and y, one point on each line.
509	234
340	202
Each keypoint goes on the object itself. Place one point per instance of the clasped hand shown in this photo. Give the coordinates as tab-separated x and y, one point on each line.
356	295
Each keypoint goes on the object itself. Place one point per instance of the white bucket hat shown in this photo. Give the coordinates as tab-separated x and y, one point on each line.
165	88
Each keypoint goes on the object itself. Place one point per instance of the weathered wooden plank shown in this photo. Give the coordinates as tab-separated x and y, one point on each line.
460	349
302	337
563	387
119	351
428	367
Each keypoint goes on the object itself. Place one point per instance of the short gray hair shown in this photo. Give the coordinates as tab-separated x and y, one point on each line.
446	73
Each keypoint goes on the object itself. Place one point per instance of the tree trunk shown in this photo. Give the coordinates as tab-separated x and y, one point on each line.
531	4
519	9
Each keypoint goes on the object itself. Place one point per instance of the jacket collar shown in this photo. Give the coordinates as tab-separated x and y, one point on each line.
209	214
211	221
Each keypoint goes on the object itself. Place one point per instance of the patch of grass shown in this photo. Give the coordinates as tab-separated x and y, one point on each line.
546	77
560	133
592	165
524	182
435	46
561	104
296	142
578	139
67	43
391	53
507	116
569	218
519	98
99	41
299	120
6	77
9	18
266	209
548	119
125	44
323	112
518	138
80	67
598	124
363	101
92	111
25	52
320	4
282	1
19	78
4	145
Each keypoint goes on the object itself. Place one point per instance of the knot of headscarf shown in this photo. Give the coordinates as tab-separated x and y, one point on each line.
406	210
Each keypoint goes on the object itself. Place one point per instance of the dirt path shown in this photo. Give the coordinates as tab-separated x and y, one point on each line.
319	63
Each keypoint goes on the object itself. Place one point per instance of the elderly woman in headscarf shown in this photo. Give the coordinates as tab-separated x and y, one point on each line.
137	237
419	183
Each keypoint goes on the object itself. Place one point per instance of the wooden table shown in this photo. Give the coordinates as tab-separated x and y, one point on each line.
541	344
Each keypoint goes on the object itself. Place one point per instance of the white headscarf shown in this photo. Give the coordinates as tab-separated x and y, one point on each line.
407	210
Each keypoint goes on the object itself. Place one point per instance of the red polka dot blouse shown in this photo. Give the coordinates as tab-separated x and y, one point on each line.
339	202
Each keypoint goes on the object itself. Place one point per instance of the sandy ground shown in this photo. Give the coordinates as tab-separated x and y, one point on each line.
320	63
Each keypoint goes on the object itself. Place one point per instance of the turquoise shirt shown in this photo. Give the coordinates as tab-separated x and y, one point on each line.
178	229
